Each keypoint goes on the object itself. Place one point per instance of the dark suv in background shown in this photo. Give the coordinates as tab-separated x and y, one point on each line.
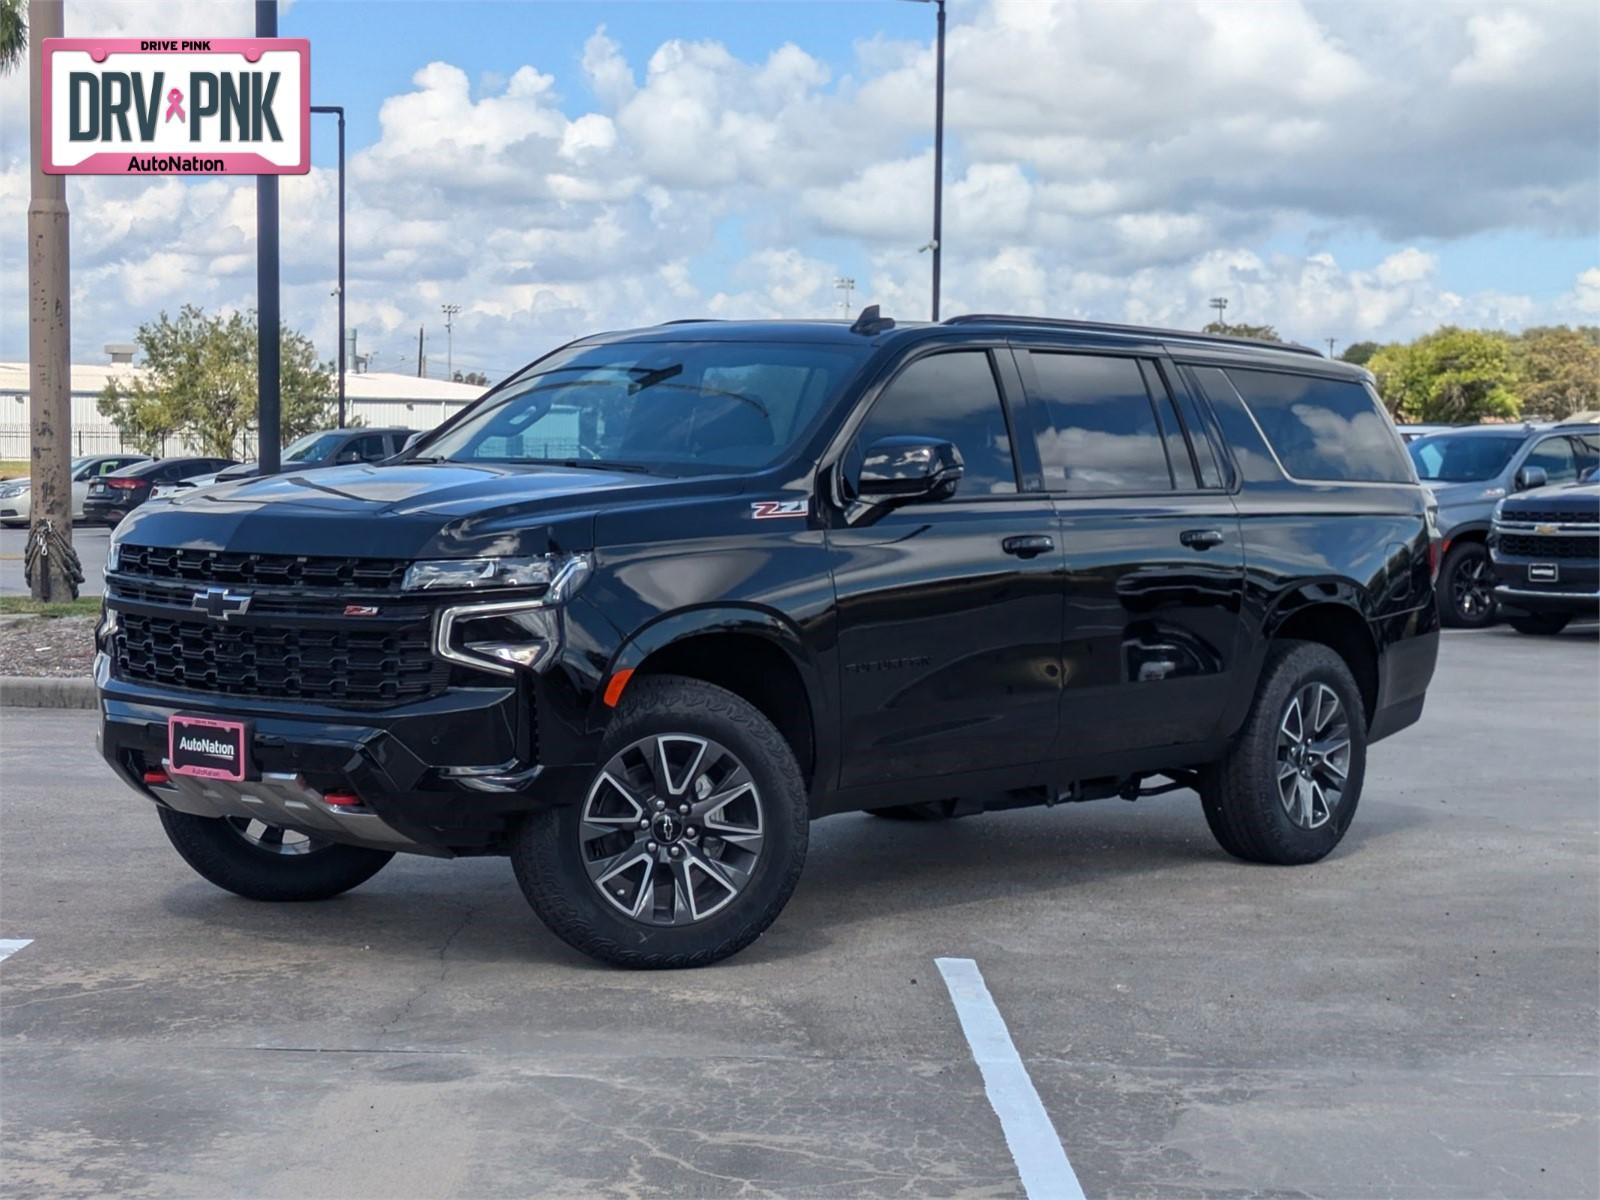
1546	549
1469	472
331	448
663	596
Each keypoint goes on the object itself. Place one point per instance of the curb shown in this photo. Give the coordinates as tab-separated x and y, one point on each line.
27	691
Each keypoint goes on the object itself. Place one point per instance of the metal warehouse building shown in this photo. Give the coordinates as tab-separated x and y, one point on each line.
376	398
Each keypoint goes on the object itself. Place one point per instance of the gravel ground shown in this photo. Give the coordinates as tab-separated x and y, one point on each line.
58	647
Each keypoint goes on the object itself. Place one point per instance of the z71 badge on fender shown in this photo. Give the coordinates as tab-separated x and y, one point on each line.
766	510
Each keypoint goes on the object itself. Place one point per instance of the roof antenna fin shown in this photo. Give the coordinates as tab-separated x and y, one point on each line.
870	323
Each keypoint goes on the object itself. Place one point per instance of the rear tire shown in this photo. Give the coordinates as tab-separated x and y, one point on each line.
625	875
1288	787
219	849
1545	624
1466	587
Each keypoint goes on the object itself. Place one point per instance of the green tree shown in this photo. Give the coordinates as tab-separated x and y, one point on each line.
1360	353
1265	333
199	382
1451	376
13	35
1560	370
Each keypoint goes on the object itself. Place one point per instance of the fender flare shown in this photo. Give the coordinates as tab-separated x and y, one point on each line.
725	618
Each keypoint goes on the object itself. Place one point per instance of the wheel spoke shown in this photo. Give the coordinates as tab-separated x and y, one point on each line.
272	835
669	785
1293	723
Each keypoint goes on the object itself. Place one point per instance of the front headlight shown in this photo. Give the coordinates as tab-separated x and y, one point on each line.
502	636
559	574
12	490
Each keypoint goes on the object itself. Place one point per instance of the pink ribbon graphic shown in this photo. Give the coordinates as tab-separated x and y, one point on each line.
175	105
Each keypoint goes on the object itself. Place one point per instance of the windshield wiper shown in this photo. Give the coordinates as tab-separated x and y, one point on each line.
599	464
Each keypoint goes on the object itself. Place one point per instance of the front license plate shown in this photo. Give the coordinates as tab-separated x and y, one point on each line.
1544	573
207	748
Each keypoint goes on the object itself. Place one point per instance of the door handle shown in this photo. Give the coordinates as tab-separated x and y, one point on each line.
1027	545
1200	539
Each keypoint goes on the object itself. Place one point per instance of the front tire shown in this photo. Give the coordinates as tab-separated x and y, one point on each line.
264	862
1542	624
1288	787
686	844
1466	587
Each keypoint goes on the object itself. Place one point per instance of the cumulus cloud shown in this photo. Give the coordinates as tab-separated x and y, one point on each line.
1124	161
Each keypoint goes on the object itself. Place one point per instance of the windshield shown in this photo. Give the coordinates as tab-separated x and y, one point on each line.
668	407
1462	458
314	447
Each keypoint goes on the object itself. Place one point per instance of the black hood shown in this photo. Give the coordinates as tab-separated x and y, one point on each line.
1561	501
406	510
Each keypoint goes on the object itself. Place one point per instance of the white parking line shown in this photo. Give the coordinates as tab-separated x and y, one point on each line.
1035	1146
9	946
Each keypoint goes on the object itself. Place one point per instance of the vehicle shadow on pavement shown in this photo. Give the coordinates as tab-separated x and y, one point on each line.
860	869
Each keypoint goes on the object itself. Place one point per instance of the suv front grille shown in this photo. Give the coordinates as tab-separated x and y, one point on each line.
1525	545
1550	516
265	570
300	637
360	667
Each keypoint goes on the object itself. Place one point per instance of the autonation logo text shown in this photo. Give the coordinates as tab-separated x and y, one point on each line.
199	745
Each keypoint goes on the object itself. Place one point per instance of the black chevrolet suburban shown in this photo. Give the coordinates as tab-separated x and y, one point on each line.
662	597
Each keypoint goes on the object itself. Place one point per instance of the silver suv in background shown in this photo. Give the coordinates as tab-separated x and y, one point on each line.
1470	471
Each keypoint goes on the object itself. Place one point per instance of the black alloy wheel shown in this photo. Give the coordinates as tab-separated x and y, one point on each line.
1466	587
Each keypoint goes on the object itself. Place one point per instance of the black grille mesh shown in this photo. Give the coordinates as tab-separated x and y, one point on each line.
266	570
333	666
1523	545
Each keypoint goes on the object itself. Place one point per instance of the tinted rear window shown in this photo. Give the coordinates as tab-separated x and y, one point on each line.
1101	432
1324	429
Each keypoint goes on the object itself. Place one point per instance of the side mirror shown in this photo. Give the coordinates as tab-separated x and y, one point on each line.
899	470
1531	477
412	441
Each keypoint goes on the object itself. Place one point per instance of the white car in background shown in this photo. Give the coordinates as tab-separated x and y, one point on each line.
16	495
180	486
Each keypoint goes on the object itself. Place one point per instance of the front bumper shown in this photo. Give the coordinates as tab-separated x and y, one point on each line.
446	775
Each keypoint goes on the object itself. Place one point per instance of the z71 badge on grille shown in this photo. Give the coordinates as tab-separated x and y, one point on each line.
766	510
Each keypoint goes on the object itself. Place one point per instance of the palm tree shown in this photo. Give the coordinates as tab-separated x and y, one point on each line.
13	35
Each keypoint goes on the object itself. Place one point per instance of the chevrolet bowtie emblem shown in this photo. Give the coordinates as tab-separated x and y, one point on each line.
219	603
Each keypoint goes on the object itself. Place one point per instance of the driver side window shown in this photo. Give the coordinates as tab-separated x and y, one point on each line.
1554	454
952	397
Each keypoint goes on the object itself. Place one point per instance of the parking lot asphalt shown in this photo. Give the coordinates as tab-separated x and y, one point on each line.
89	541
1415	1016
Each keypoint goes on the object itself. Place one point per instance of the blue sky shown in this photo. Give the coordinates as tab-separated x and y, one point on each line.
1346	171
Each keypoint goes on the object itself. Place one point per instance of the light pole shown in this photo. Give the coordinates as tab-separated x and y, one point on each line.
936	245
1330	347
1220	303
450	311
845	285
338	109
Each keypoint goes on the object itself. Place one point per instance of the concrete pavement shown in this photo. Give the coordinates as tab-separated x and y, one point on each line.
1414	1016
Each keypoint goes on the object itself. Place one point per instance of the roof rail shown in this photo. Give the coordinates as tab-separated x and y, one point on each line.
690	320
1107	327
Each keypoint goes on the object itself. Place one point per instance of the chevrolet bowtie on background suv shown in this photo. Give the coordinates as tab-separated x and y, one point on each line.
662	597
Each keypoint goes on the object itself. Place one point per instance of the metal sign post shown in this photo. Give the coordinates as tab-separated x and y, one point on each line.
269	338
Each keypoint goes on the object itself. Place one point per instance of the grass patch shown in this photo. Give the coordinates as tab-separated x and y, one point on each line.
14	468
83	606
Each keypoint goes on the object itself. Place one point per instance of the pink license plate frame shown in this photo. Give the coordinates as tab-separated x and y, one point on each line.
240	732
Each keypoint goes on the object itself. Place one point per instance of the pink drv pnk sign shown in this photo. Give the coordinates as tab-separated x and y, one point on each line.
171	106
